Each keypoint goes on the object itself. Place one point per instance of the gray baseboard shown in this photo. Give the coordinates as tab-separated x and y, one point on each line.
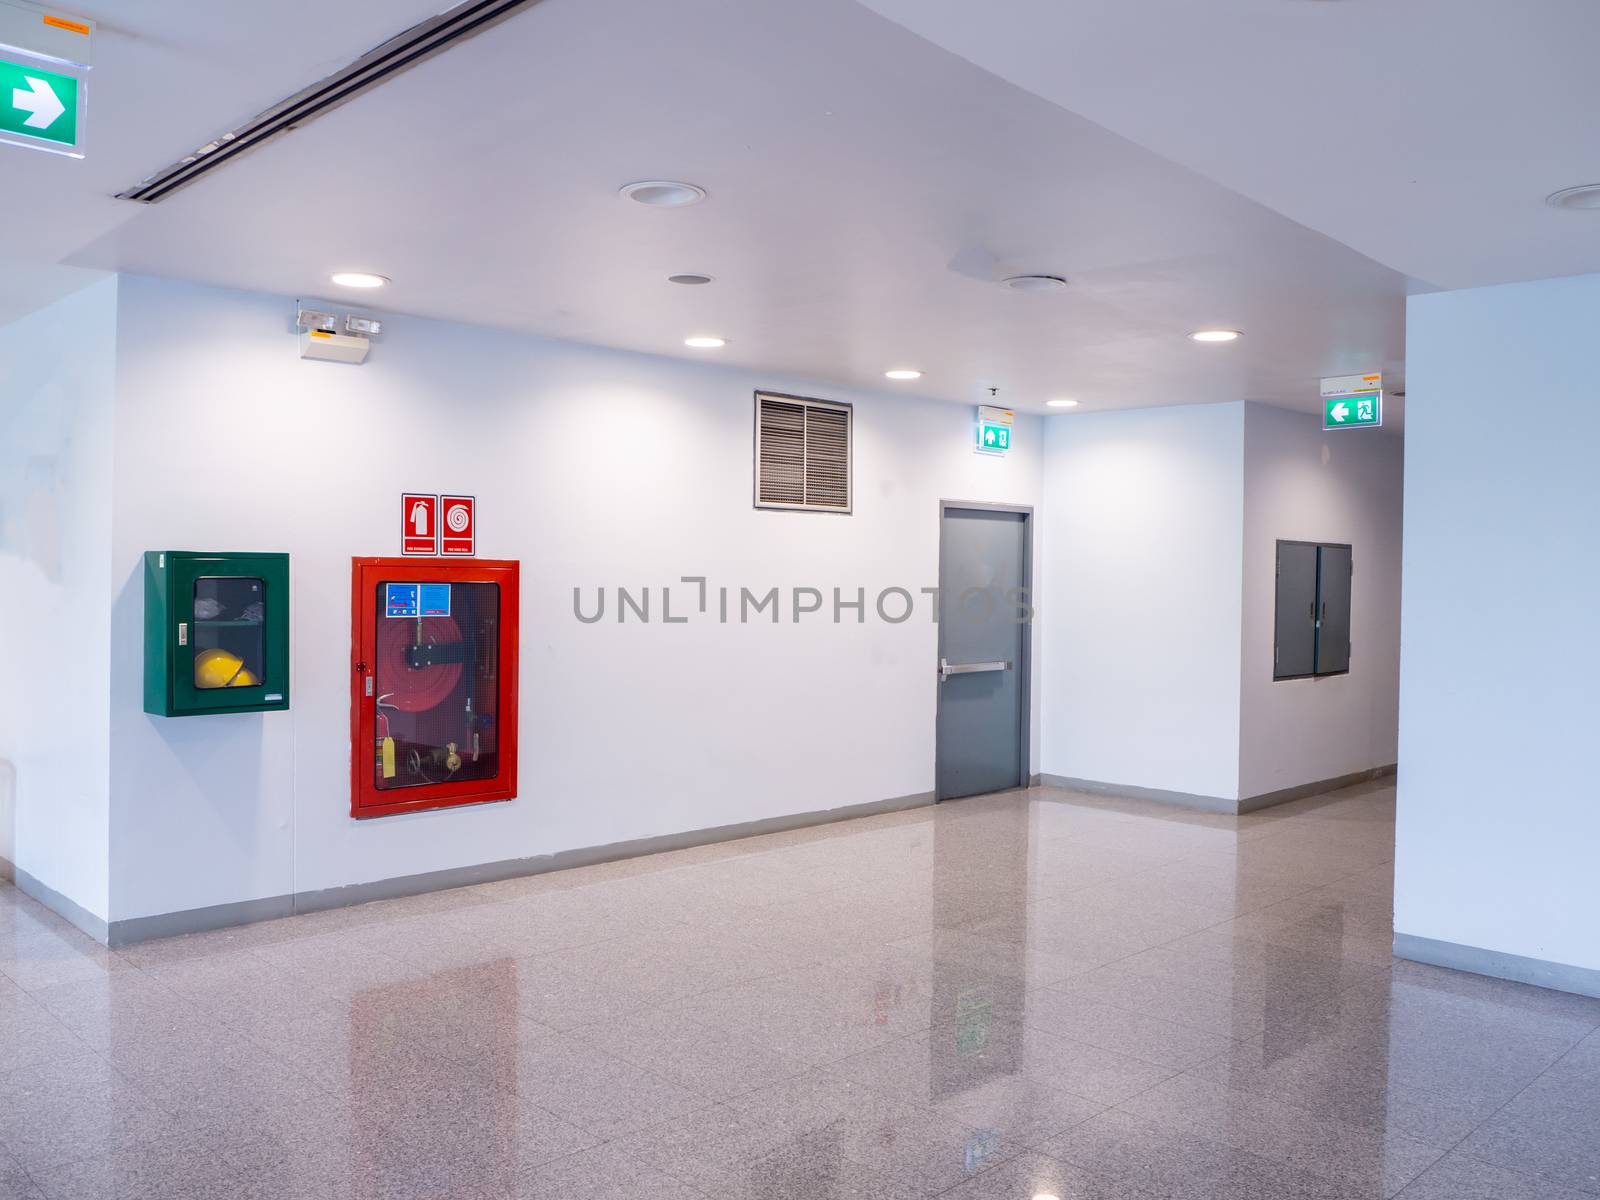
223	916
63	906
1214	804
1315	788
1097	787
1561	977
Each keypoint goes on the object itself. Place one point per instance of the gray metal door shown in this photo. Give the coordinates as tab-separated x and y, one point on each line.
1333	622
983	646
1295	635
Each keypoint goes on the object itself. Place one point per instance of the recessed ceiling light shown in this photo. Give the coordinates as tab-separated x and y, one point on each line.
705	343
1061	404
692	279
1585	197
1034	283
1215	335
903	373
664	193
359	279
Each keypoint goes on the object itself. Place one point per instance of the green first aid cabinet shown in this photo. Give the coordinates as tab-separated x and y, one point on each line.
216	633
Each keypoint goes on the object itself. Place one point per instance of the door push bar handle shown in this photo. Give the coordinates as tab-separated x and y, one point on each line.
946	669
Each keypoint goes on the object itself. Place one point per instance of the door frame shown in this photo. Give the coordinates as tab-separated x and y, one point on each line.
1025	654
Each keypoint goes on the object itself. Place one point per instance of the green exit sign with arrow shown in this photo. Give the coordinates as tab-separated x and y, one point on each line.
994	437
994	429
1352	412
39	105
1352	401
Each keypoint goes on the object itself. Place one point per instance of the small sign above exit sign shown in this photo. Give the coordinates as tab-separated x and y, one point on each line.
994	429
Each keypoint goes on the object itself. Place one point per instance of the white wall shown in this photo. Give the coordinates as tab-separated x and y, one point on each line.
1141	565
593	467
1301	484
1499	809
56	370
600	468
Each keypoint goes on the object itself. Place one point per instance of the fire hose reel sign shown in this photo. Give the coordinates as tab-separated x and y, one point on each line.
458	531
438	525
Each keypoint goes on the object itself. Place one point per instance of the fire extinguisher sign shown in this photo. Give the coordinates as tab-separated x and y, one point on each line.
458	526
419	524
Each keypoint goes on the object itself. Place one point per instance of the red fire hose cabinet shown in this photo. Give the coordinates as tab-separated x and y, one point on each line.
433	697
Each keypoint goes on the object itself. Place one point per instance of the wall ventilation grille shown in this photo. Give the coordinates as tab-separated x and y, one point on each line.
802	454
371	69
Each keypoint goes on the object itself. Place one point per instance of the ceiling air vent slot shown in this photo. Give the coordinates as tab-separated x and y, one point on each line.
371	69
802	454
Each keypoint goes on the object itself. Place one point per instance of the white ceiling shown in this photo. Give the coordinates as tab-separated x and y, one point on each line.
1423	133
867	188
164	80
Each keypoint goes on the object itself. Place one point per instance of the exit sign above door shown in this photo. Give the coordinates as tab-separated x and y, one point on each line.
994	429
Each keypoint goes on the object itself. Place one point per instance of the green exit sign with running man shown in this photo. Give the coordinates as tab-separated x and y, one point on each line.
38	105
1350	412
994	429
1352	401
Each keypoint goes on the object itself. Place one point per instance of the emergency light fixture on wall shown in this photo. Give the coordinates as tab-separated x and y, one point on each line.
328	337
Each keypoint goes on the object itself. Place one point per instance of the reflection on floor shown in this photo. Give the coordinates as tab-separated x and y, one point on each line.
1019	996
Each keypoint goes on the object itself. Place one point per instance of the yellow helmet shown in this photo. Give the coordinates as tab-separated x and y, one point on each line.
218	668
244	679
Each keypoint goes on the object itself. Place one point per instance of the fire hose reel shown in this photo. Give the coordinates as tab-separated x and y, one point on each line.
434	691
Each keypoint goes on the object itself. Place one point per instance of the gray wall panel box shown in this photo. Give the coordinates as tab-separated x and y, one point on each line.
1311	629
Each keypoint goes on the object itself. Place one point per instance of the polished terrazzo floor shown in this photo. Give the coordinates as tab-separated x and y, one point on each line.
1013	997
